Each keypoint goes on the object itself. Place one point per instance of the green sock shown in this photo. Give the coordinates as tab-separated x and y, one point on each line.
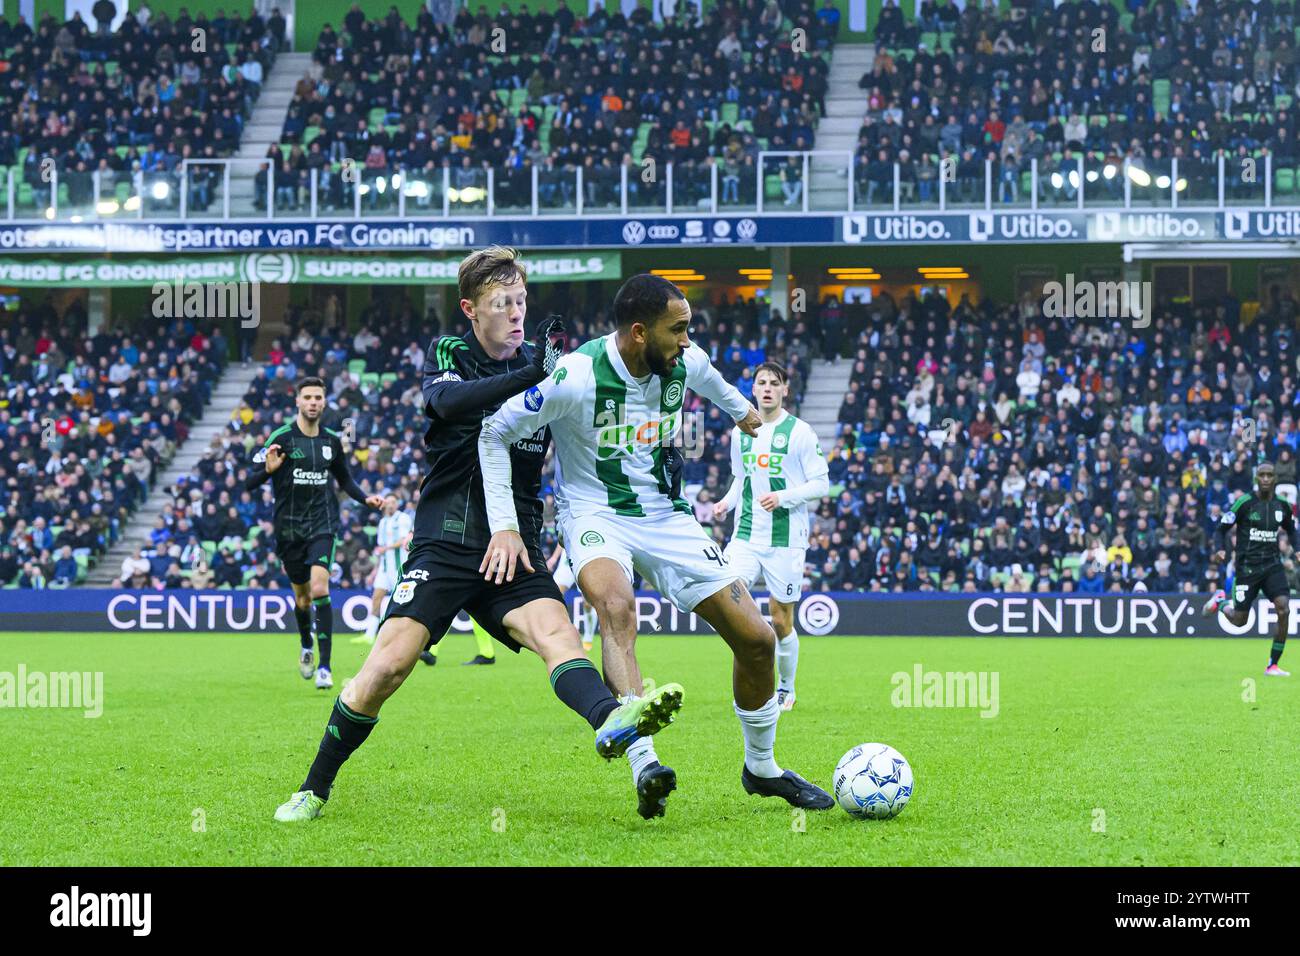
324	629
1276	655
484	641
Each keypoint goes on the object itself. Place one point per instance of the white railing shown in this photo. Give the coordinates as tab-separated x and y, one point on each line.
815	181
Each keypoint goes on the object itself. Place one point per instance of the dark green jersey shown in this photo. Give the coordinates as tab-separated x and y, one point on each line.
1258	523
306	506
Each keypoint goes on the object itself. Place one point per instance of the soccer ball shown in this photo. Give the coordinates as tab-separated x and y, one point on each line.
873	780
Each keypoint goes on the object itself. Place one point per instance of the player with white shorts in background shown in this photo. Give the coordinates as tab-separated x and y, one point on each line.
775	476
390	547
560	568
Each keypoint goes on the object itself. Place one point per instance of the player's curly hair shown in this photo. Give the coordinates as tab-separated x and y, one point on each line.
495	265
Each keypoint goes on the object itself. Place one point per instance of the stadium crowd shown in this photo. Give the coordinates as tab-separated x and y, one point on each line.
136	100
86	425
598	91
1079	456
1051	82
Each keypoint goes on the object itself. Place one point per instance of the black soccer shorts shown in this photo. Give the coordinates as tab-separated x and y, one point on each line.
299	557
1272	582
440	579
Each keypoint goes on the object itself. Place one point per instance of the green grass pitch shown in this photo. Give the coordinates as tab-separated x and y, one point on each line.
1119	751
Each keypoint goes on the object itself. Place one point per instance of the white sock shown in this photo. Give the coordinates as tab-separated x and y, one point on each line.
640	755
372	625
787	659
589	625
759	729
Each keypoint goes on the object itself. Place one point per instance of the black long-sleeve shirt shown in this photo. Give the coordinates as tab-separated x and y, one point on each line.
305	505
463	385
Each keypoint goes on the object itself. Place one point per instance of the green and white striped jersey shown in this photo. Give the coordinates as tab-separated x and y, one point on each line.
611	432
392	530
784	458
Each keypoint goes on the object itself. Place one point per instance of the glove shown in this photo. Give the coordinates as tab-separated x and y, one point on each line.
550	345
674	461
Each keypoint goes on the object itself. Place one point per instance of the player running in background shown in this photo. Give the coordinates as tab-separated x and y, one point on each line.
465	378
393	535
614	408
775	476
560	568
299	459
1259	518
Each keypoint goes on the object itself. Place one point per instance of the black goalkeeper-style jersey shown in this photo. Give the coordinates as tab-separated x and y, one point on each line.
1258	523
306	506
463	385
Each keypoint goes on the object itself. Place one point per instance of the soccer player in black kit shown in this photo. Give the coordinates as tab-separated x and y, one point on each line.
1259	519
466	378
299	459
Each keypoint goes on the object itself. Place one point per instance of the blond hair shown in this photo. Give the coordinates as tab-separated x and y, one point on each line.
495	265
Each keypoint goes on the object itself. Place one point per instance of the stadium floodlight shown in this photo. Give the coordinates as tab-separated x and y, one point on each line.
49	212
1138	175
1057	181
132	204
1074	178
417	190
381	185
1110	170
107	207
160	190
1092	176
1162	182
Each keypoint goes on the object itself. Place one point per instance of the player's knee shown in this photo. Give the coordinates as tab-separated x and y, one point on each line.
319	591
758	645
302	601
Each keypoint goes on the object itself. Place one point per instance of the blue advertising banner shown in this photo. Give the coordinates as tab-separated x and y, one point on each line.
856	614
623	232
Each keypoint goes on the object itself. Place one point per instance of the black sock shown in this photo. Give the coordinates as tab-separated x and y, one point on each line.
324	629
304	625
578	685
346	731
1276	655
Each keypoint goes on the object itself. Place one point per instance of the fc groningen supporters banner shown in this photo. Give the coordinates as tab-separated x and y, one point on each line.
286	267
835	614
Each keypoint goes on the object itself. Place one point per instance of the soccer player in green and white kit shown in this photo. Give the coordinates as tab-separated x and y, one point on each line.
614	409
298	459
1259	519
391	539
774	476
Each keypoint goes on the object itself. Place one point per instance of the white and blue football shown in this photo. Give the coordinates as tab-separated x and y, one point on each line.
873	781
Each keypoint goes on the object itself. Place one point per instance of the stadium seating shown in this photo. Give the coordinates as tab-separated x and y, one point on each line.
133	102
88	423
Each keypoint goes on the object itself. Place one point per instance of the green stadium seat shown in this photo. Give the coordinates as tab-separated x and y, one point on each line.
376	118
357	366
387	378
370	379
730	113
309	134
1285	181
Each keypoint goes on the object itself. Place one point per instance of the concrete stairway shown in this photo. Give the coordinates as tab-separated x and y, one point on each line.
838	129
827	383
264	126
225	399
